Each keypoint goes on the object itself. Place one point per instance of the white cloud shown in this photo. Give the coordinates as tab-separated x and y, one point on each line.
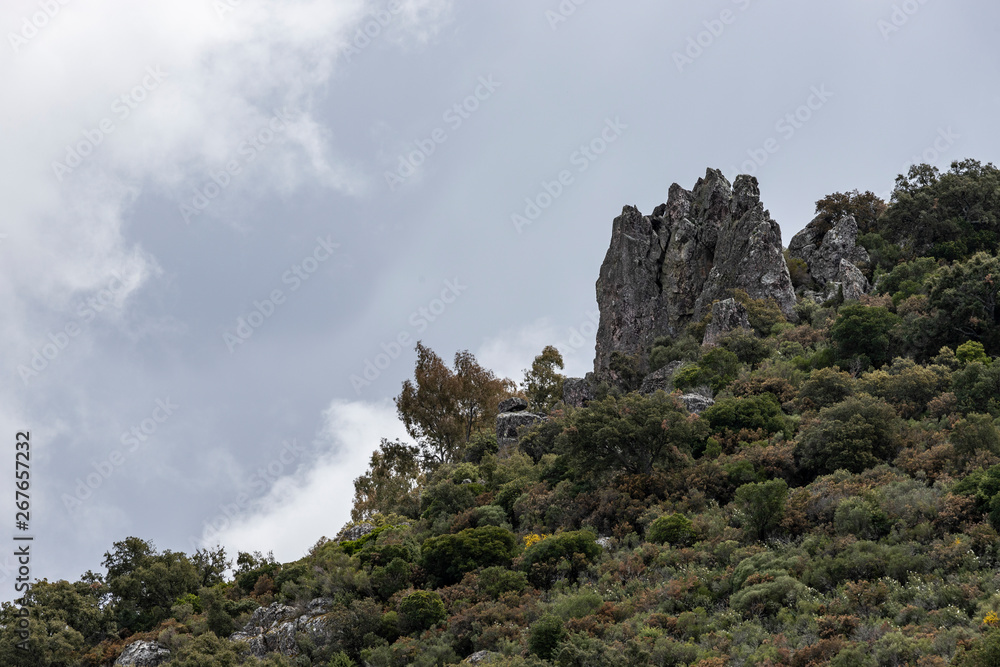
316	500
509	353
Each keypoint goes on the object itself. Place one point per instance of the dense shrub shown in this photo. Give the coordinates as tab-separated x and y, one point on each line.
420	610
572	549
447	557
673	529
855	434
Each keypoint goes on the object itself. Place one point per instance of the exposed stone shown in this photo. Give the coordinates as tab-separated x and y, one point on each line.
143	654
663	271
727	315
662	378
578	392
826	250
853	281
355	532
604	542
273	629
508	424
481	657
696	403
513	404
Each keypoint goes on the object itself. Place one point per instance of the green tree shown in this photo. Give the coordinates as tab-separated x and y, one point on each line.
447	557
546	633
211	565
751	412
542	383
866	207
762	506
856	434
144	583
441	408
971	351
671	529
964	298
634	434
864	332
389	486
421	610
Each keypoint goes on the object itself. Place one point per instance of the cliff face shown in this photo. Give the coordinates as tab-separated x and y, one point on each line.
833	256
664	270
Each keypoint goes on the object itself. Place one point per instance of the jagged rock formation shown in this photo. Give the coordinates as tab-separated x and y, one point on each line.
143	654
664	270
355	532
696	403
662	378
273	628
578	392
726	316
513	414
832	256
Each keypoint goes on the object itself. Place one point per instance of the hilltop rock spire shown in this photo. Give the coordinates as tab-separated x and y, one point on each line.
664	270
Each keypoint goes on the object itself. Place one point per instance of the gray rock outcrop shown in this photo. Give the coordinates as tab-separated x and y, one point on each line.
662	378
664	270
143	654
832	256
578	392
696	403
481	658
273	629
355	532
512	416
727	315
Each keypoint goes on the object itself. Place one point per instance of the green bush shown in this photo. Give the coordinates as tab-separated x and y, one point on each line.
855	434
861	518
752	412
762	506
546	633
674	529
420	610
495	581
575	549
447	557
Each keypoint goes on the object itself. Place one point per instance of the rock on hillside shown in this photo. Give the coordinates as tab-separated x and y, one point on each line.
663	271
832	256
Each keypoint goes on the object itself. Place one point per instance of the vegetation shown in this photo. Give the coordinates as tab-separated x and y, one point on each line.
838	504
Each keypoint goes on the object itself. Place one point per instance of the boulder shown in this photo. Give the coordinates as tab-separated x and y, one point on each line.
727	315
577	392
513	404
143	654
664	271
696	403
481	657
662	378
273	629
832	255
508	424
355	532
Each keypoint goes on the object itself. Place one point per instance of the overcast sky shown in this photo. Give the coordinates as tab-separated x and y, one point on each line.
218	214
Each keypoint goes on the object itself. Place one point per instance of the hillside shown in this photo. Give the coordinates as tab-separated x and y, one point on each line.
784	456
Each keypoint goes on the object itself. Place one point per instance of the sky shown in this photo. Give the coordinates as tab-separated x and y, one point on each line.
226	223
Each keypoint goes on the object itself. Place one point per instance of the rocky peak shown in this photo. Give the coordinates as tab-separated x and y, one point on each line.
832	256
663	271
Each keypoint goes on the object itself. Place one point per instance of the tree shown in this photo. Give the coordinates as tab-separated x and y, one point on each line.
441	408
421	610
866	208
542	384
864	332
448	557
856	434
144	584
762	505
965	297
389	484
546	633
634	434
211	565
